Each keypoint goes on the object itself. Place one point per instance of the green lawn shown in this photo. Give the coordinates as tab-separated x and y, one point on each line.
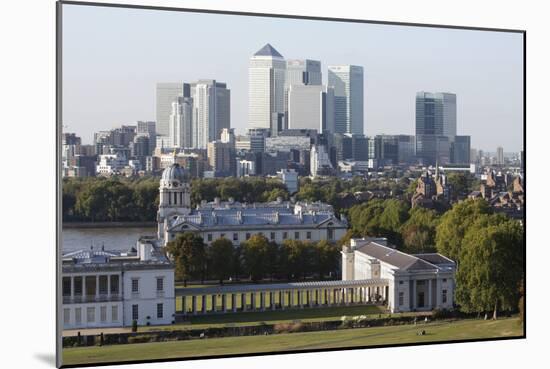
435	332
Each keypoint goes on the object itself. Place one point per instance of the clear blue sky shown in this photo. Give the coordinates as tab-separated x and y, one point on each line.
112	59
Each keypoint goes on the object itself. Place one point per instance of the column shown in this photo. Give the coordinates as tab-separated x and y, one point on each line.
351	295
84	287
214	303
282	299
204	304
108	285
243	301
368	294
253	300
414	295
72	288
301	298
194	303
345	295
430	294
272	300
97	287
327	296
291	298
183	305
234	302
262	301
224	303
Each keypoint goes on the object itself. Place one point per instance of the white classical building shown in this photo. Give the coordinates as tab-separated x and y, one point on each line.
112	289
420	282
277	220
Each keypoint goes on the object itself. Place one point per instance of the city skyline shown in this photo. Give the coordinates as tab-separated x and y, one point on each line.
487	74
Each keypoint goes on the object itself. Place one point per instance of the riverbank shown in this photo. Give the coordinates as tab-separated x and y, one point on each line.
71	225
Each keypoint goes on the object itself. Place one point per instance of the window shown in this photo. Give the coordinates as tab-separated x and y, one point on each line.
66	286
78	286
401	298
114	284
247	236
160	283
400	282
66	316
330	234
444	296
308	235
285	235
135	312
222	235
103	314
103	284
235	236
444	280
114	313
296	235
272	235
160	311
90	314
78	315
209	237
135	285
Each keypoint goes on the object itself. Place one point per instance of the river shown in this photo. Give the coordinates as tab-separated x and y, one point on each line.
111	238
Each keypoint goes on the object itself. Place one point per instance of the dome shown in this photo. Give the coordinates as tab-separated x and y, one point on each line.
174	175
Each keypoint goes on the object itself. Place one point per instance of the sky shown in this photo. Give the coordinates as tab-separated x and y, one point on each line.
113	58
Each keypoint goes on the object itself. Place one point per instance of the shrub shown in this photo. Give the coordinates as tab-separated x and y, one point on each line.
134	326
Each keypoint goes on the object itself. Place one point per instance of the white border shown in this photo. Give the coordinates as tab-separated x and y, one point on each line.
28	180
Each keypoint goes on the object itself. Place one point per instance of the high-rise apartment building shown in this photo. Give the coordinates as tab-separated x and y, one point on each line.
266	84
347	81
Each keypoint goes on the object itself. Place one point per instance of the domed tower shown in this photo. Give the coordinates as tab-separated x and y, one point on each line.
175	195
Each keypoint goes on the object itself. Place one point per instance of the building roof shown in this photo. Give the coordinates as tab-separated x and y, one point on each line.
238	288
173	172
268	50
401	260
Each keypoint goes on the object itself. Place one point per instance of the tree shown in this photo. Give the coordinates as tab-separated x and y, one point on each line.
418	232
327	258
189	255
491	265
254	252
392	218
459	184
220	255
298	258
454	224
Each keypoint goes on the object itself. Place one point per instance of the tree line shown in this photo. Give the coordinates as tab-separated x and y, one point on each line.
255	259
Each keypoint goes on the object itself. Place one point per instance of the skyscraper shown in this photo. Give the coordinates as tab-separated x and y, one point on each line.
147	128
310	107
500	155
266	83
167	93
435	126
181	123
347	81
211	111
461	150
300	72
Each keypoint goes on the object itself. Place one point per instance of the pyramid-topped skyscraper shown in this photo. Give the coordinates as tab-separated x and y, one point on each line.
266	82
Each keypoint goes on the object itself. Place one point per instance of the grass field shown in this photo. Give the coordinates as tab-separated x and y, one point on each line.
435	332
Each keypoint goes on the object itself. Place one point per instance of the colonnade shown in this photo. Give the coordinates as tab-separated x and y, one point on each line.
207	300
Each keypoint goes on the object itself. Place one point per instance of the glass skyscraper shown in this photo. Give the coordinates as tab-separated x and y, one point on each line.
347	81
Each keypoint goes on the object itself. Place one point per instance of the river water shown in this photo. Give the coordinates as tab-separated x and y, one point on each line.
111	238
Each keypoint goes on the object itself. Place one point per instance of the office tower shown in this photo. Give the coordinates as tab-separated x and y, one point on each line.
257	138
167	93
435	126
148	129
406	148
347	81
310	107
303	72
266	83
140	149
436	114
181	123
228	136
460	150
211	111
500	155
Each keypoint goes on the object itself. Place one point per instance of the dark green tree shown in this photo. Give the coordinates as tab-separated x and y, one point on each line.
220	255
189	255
254	253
